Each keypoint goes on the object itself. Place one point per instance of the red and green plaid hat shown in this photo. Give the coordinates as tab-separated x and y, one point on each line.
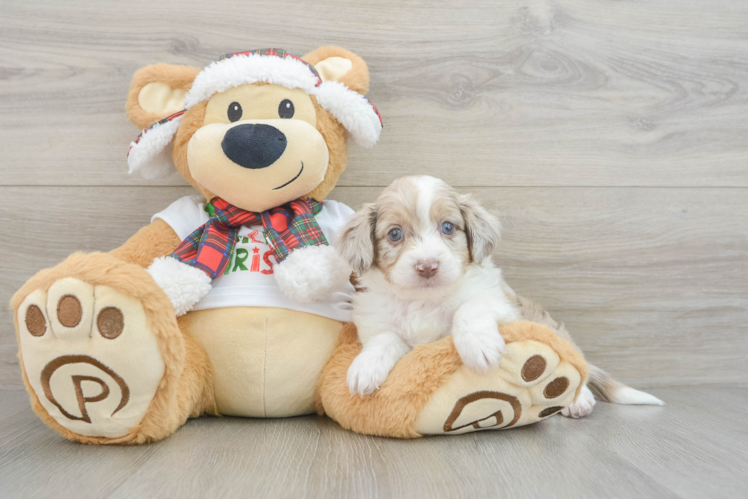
149	154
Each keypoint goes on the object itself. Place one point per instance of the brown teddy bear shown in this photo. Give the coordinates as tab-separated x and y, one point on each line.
232	301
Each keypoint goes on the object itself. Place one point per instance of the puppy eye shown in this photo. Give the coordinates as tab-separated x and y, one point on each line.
235	111
395	234
448	228
286	109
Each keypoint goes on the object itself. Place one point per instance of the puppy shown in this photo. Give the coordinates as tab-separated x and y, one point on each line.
423	255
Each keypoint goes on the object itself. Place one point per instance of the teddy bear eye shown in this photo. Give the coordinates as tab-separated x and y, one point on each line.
448	228
286	109
235	111
395	234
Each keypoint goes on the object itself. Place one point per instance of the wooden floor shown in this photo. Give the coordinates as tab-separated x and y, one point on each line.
685	449
610	136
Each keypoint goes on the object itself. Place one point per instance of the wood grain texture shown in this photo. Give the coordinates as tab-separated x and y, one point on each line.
516	93
609	135
652	283
684	449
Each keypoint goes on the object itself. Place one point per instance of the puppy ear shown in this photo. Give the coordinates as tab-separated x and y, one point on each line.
482	228
158	91
355	244
335	63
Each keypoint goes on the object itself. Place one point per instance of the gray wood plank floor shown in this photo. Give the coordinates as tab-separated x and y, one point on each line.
684	449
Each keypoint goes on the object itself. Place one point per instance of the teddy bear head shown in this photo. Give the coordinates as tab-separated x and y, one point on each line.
257	129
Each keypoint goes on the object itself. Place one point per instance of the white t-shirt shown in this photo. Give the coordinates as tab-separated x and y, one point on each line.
249	279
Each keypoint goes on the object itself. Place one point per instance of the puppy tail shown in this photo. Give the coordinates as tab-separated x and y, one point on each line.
608	389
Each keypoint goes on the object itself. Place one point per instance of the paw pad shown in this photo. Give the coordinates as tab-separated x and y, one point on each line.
533	368
104	391
69	311
551	410
35	322
111	322
478	402
556	387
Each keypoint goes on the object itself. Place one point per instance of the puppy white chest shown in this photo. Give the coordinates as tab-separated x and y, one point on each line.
421	322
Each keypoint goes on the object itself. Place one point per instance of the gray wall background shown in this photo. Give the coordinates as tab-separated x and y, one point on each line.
611	136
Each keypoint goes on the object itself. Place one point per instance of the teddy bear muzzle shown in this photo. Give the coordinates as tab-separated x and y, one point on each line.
258	164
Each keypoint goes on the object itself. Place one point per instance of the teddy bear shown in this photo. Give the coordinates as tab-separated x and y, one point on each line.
232	301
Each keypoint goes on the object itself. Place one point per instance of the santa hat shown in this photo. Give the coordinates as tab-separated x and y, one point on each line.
149	153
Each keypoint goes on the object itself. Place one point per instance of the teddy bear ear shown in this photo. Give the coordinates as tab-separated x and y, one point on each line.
157	91
338	64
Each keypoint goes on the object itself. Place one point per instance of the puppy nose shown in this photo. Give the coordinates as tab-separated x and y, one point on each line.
253	145
426	268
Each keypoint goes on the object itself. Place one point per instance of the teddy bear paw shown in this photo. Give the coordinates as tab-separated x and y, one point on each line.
531	383
183	284
90	356
309	274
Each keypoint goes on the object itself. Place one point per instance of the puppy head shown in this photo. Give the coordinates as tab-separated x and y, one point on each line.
420	234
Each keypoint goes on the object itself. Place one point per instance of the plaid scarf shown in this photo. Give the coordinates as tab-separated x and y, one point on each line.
287	228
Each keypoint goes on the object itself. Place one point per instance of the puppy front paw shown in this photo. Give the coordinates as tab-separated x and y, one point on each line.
582	406
366	374
479	343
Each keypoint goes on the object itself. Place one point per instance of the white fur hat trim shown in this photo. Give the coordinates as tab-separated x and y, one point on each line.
220	76
352	110
149	153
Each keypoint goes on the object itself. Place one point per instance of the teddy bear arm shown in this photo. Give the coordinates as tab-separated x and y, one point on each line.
150	248
154	240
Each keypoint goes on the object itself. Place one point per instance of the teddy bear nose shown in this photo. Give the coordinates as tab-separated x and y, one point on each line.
253	145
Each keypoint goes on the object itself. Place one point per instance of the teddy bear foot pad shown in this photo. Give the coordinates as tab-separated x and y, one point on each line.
89	356
530	384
